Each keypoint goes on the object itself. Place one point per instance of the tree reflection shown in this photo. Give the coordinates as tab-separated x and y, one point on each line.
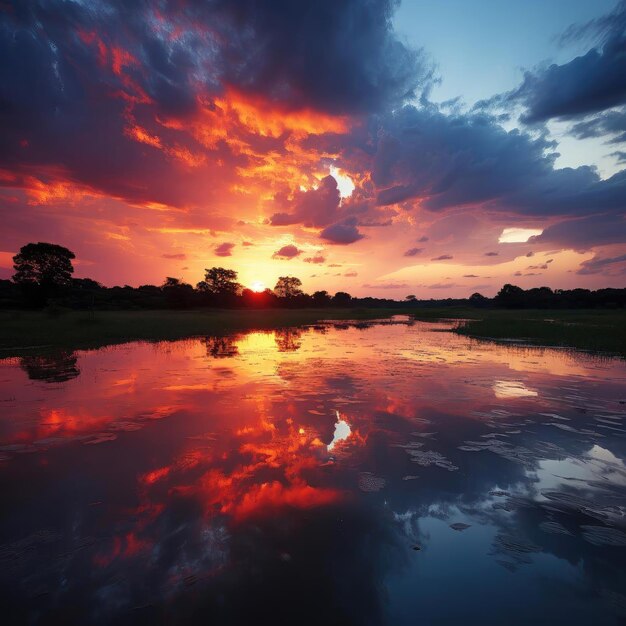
288	339
56	367
220	347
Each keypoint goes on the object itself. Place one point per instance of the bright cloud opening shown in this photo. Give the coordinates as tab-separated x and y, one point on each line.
344	182
518	235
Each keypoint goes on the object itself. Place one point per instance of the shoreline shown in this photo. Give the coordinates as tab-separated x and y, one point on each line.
28	332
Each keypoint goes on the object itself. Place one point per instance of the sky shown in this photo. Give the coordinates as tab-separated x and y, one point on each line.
369	146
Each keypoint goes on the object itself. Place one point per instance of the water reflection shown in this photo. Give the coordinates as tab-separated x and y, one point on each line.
288	339
341	474
55	367
220	347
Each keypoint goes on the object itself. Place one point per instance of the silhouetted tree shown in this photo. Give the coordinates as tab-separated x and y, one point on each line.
43	270
219	281
288	287
321	298
341	298
510	296
411	298
478	300
178	295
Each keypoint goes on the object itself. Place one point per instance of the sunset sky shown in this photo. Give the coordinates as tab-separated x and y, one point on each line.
385	149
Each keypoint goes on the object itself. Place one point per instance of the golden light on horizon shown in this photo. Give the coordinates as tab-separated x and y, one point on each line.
257	286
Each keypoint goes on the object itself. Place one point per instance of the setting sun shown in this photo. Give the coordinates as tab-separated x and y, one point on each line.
257	286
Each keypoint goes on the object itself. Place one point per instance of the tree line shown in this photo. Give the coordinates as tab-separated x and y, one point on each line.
44	278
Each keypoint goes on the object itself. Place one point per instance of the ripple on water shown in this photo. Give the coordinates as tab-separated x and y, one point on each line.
369	482
604	536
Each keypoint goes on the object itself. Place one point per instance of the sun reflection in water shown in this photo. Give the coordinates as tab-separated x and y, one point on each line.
512	389
342	432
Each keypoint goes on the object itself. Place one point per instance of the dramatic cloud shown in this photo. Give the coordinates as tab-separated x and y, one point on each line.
224	249
315	208
610	125
339	56
597	265
582	234
588	84
620	156
342	232
287	252
465	160
443	257
139	134
118	85
413	251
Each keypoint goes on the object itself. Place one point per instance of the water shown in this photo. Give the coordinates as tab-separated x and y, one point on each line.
387	473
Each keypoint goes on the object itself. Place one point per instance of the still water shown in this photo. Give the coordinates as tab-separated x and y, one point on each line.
385	473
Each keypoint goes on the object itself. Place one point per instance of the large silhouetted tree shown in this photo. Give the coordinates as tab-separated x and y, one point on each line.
288	287
219	281
43	270
510	296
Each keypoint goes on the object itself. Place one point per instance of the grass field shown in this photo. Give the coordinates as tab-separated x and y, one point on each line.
594	330
27	331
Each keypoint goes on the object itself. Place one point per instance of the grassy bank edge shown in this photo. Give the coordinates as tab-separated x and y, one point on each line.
23	332
28	331
602	331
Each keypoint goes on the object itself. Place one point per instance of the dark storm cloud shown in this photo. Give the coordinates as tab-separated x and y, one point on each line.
584	233
611	125
597	265
75	79
340	56
586	85
591	83
314	208
620	156
343	232
449	161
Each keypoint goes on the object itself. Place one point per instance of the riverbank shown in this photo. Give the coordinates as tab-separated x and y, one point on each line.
595	330
30	331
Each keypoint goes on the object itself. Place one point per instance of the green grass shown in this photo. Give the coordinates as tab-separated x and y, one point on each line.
27	331
594	330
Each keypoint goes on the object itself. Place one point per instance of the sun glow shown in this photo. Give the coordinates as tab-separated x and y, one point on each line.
257	286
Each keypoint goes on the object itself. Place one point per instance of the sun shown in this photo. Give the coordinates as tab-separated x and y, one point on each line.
257	286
